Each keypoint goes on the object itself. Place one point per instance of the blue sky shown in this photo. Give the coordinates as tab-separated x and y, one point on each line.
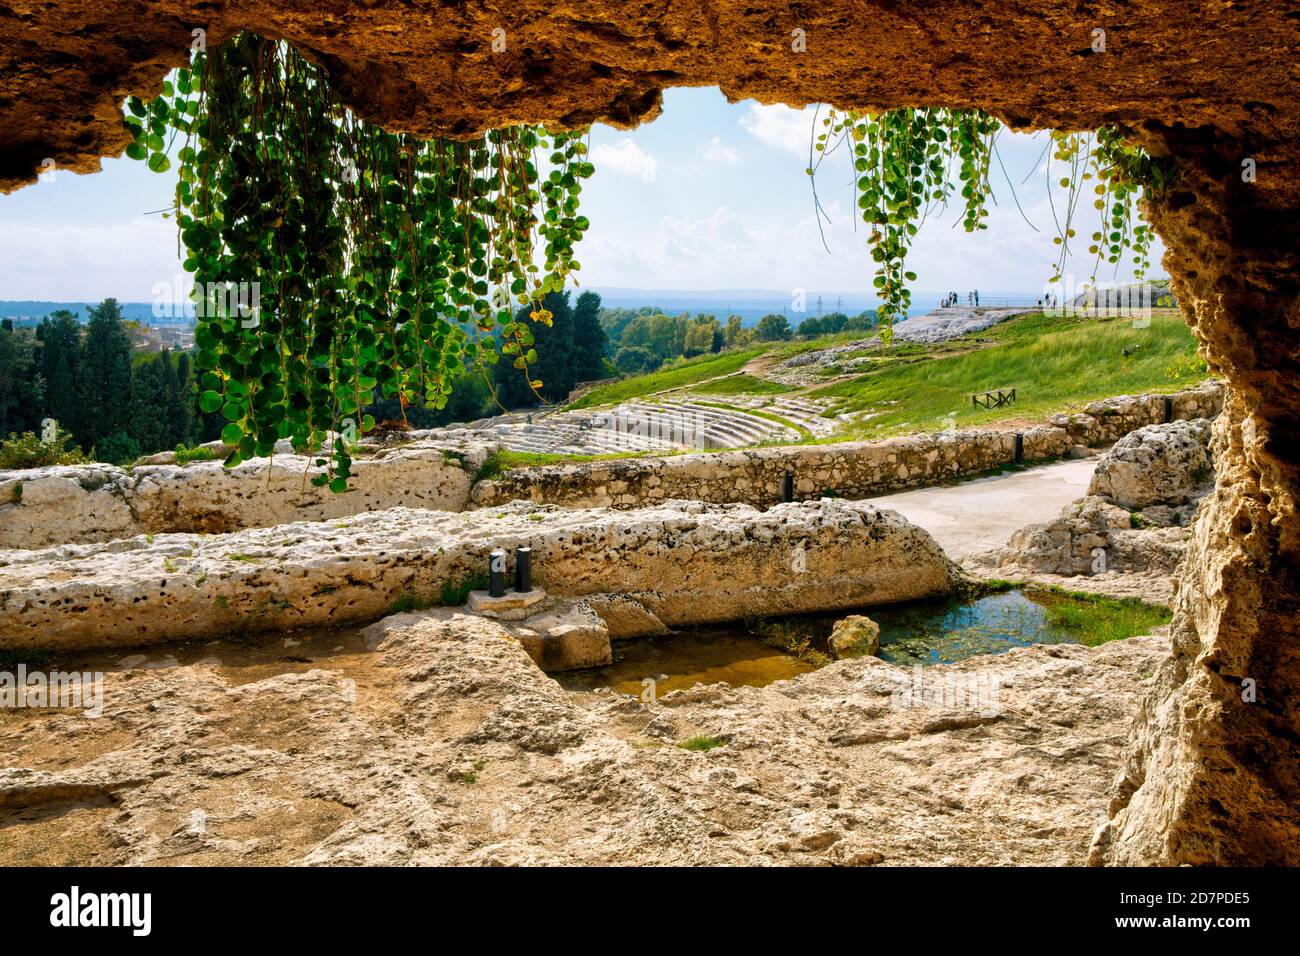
712	195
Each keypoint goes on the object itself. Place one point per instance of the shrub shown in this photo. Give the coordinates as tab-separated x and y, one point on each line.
118	448
28	451
186	455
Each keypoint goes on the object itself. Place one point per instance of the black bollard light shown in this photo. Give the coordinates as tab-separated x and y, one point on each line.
787	489
523	569
497	573
1020	448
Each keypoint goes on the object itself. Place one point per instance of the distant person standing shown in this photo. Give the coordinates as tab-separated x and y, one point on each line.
977	297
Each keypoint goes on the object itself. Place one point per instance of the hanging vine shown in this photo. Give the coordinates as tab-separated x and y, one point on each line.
334	260
908	162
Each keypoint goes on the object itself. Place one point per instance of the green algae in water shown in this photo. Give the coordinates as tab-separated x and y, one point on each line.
946	631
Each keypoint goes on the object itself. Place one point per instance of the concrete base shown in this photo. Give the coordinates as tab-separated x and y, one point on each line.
480	601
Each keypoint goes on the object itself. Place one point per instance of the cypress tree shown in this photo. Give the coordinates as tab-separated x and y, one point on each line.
182	402
106	375
60	363
589	338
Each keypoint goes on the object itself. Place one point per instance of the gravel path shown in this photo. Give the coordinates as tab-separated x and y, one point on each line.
982	514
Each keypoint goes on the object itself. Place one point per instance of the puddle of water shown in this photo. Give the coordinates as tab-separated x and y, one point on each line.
941	631
685	658
927	632
946	631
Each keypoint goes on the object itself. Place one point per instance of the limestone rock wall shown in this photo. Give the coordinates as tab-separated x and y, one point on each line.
84	503
1212	775
684	562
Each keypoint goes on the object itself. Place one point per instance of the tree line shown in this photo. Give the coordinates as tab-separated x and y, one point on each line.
117	403
112	401
642	340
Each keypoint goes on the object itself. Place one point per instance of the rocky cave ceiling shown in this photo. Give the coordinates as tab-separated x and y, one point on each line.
428	66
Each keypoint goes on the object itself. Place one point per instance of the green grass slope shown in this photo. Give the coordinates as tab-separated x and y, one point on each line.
1053	362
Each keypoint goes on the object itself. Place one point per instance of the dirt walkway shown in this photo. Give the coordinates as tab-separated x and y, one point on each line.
978	515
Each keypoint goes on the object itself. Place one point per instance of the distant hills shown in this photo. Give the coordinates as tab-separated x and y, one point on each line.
750	304
29	311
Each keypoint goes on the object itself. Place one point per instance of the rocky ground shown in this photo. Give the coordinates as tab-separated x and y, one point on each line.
938	325
432	738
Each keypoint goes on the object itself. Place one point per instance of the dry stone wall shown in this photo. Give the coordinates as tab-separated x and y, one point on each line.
87	503
849	469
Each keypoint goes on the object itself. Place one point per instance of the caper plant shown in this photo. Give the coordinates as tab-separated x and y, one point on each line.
381	263
909	162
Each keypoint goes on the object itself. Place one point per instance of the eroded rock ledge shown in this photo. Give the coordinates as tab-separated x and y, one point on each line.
685	562
447	746
69	504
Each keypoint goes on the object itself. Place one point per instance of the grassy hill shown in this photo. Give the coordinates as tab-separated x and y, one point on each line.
1055	363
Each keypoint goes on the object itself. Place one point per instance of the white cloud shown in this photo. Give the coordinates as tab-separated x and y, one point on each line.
626	157
720	153
779	126
64	262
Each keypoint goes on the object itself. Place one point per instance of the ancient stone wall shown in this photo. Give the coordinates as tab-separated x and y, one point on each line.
849	470
84	503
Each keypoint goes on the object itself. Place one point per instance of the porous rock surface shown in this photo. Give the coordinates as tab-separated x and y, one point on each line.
422	70
446	745
684	562
65	504
1156	465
